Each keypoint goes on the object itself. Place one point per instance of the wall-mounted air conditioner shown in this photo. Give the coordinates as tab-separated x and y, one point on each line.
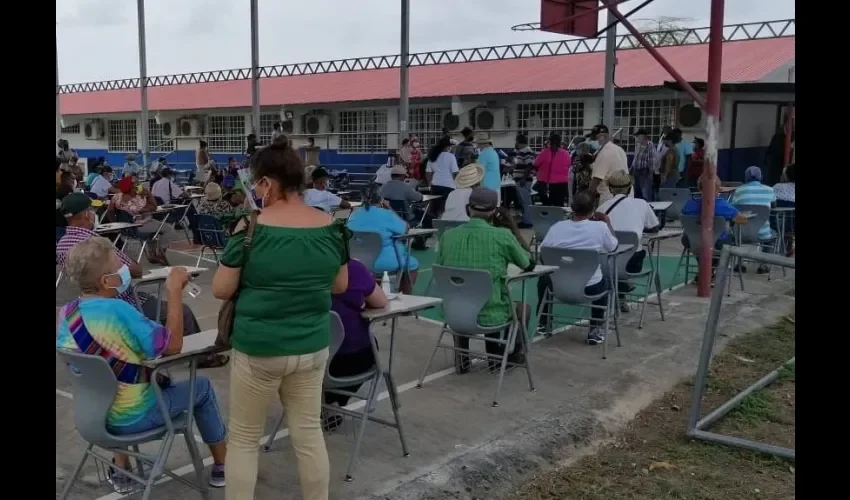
490	119
315	124
455	122
93	130
188	127
690	117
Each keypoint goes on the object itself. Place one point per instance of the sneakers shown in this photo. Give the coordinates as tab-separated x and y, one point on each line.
120	483
624	306
217	476
595	337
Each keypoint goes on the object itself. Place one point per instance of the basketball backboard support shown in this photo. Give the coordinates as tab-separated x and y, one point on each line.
570	17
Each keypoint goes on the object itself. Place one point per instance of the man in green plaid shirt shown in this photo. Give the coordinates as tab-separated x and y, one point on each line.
482	244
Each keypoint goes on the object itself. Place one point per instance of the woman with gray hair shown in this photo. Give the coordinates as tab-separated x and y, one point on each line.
100	323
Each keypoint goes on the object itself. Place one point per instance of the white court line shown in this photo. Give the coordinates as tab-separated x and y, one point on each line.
66	395
189	469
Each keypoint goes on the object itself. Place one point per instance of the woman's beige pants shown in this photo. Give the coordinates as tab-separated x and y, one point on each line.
297	380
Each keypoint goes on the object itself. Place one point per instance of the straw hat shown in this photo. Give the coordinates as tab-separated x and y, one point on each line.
398	170
469	176
619	182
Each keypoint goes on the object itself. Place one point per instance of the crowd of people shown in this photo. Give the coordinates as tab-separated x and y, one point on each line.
281	328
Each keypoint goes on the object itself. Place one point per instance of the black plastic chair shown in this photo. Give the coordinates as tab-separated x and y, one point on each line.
212	235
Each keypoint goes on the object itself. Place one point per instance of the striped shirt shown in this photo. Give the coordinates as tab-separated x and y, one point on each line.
755	193
479	245
74	235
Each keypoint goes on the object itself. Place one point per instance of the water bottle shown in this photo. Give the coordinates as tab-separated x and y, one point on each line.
385	284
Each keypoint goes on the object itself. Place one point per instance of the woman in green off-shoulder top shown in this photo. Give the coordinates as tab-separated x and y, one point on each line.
281	326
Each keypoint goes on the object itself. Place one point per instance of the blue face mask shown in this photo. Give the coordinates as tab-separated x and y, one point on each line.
126	279
594	145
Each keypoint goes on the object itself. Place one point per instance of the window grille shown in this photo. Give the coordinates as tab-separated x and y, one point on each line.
363	131
156	142
267	121
71	129
426	124
539	120
226	133
121	136
634	114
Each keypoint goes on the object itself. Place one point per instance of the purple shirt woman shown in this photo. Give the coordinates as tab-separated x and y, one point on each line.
355	354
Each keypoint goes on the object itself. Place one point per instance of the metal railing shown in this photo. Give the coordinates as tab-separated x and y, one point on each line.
697	427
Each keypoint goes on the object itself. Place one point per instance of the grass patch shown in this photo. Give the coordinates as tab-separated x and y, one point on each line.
652	459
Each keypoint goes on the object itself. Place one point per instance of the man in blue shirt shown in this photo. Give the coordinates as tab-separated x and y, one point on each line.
489	159
685	149
722	208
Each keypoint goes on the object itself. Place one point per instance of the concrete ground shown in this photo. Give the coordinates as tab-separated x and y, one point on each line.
461	447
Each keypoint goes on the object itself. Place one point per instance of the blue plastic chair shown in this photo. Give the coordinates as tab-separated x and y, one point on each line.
212	235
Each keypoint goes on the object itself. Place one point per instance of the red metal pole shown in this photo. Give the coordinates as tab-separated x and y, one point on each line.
715	63
657	55
576	16
789	130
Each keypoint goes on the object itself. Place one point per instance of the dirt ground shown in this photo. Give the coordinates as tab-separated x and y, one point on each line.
652	459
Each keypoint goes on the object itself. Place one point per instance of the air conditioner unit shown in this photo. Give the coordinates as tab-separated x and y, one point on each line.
313	124
455	122
689	116
490	118
169	129
93	129
187	127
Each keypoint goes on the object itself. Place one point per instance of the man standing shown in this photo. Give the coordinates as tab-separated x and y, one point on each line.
643	165
489	242
489	159
684	150
465	152
609	159
523	176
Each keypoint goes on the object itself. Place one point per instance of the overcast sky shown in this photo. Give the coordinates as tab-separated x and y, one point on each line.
97	39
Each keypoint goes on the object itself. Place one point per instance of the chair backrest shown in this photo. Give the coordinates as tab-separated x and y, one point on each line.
60	232
731	184
91	195
575	268
210	231
159	201
366	247
624	238
464	293
543	218
400	207
441	225
678	196
94	391
691	226
750	230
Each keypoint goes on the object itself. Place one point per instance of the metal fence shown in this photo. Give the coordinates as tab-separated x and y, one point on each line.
697	427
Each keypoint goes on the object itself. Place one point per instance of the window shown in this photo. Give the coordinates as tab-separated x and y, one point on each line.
426	123
267	121
71	129
634	114
363	131
226	134
156	142
121	136
540	120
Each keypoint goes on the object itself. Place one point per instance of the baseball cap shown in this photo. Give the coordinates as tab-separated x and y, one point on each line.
641	131
483	200
77	203
600	129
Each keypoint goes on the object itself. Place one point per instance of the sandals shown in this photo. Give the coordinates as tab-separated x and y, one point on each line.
214	361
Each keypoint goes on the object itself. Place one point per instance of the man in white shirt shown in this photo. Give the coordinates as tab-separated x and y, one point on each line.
468	178
165	188
318	196
628	214
588	230
102	184
609	159
383	175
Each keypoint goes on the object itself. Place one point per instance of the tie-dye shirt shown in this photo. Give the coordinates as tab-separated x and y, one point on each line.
128	335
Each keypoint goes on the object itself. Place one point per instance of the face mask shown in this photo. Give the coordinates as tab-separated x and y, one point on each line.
124	274
594	145
415	144
265	197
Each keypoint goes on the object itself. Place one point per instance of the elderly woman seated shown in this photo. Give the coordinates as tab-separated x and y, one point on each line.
137	201
376	216
99	321
214	203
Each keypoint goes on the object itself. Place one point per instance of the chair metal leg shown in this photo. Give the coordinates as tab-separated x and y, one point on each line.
69	482
608	308
59	278
392	392
200	256
510	341
270	441
526	347
142	250
358	439
678	268
158	465
431	358
197	462
140	464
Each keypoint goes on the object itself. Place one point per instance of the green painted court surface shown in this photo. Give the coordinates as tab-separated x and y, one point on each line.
668	269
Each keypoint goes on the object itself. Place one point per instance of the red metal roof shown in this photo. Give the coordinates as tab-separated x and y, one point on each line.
743	61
